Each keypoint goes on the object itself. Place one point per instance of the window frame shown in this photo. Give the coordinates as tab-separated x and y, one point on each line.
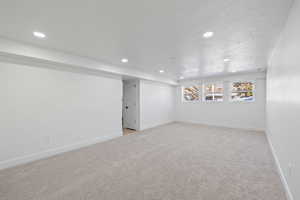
214	83
188	86
239	101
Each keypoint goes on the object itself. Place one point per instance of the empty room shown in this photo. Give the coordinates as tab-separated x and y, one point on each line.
150	100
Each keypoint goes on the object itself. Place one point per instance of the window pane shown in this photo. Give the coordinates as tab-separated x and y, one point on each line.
219	88
209	88
242	91
213	92
209	97
242	86
218	92
191	93
218	97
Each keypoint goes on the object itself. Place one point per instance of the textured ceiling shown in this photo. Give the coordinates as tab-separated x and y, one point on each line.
153	34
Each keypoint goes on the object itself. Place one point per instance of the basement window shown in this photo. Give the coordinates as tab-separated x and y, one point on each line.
242	91
191	93
213	92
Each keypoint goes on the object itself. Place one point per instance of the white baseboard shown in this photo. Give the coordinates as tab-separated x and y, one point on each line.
51	152
155	125
222	126
280	171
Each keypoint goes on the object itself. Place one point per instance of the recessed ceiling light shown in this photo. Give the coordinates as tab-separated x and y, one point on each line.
226	59
208	34
181	77
39	34
124	60
233	71
161	71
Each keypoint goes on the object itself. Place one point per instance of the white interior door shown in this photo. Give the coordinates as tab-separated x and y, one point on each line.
130	109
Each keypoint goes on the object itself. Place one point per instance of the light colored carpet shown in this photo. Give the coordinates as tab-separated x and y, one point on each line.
172	162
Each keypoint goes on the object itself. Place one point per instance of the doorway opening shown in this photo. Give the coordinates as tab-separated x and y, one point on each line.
130	106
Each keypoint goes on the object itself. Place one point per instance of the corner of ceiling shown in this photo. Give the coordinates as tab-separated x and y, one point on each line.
21	53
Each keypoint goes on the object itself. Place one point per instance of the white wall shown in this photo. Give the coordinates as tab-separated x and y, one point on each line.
45	111
157	104
247	115
283	100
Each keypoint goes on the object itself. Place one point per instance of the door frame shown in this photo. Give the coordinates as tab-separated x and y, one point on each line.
137	100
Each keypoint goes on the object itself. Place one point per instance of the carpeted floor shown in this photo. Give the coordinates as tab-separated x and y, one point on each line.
172	162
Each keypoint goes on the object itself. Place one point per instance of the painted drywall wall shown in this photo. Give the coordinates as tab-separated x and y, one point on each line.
45	111
247	115
283	101
157	104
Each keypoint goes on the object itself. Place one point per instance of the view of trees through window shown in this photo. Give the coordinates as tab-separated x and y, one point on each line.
213	92
238	91
242	91
191	93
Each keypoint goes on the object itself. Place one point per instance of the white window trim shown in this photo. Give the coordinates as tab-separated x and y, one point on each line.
203	92
236	101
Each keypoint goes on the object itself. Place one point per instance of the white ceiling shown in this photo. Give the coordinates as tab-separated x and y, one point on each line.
153	34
